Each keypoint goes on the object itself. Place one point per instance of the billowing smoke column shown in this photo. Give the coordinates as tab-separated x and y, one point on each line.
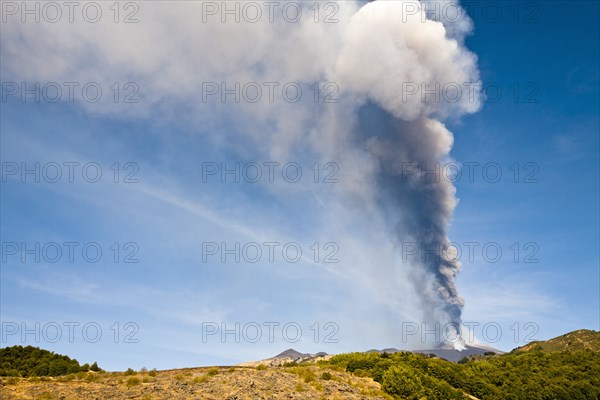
403	62
408	153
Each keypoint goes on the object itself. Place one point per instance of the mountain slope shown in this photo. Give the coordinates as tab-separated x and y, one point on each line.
456	355
582	339
286	357
222	383
531	375
449	354
548	373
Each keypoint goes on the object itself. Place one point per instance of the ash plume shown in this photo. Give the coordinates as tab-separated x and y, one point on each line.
408	153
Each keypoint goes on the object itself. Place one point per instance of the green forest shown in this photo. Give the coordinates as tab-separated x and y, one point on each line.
519	375
33	361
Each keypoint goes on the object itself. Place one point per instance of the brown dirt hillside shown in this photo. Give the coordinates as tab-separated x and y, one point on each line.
218	383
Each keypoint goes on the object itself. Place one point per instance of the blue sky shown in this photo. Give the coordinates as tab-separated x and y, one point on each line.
162	212
559	133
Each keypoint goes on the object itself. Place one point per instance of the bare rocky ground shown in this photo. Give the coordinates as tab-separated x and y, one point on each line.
218	383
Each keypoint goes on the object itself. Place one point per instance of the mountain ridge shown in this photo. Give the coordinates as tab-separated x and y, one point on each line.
581	339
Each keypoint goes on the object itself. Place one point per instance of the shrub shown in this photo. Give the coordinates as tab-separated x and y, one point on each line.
401	382
132	381
12	381
326	376
200	379
178	377
305	373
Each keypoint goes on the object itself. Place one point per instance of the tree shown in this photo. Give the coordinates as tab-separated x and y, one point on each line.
40	370
402	382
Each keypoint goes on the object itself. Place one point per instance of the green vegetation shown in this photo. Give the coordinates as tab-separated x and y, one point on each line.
132	381
304	372
178	377
326	376
200	379
33	361
531	375
577	340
